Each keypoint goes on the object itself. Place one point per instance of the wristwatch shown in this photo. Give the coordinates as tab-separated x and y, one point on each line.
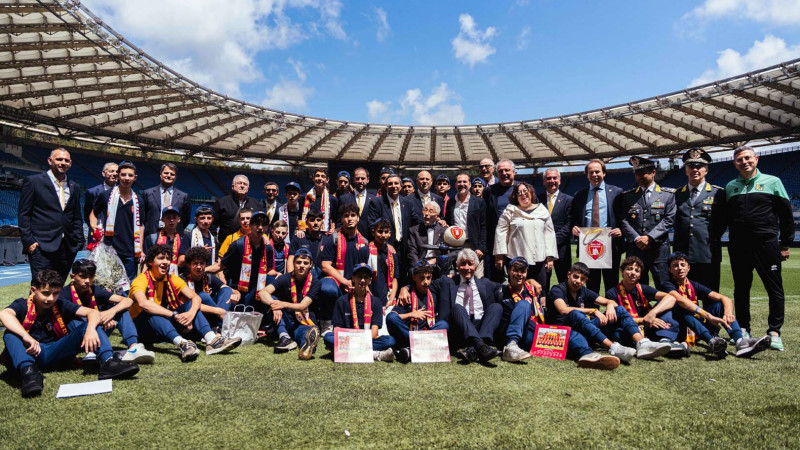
174	313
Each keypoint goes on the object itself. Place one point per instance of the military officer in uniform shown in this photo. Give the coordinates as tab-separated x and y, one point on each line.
645	216
700	220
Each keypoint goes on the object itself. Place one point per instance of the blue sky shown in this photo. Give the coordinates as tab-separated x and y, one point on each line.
436	62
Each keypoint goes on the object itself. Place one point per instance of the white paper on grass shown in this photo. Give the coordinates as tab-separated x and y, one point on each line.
594	247
78	389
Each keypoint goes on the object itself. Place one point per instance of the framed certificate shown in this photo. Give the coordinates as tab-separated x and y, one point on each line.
429	346
352	346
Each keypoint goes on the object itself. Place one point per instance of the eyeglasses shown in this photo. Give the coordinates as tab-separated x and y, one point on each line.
485	166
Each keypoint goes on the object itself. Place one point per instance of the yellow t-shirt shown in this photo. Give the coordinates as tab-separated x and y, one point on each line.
228	241
139	284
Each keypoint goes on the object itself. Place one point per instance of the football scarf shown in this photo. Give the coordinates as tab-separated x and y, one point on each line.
341	249
176	245
367	311
203	284
536	310
197	241
92	303
59	328
414	307
324	206
113	203
171	292
247	262
302	316
373	261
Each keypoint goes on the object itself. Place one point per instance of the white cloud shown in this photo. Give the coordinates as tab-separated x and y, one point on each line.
441	107
214	42
775	12
769	51
522	39
383	25
472	45
289	94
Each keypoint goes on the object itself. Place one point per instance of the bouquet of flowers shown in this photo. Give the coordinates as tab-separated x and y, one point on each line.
111	273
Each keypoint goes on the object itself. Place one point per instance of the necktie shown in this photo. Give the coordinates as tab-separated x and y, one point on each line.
398	233
425	200
61	195
596	208
271	212
468	298
360	201
550	203
166	199
647	196
694	195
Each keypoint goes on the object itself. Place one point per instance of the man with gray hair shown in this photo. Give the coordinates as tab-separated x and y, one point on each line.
226	209
424	235
486	167
110	176
559	205
477	309
496	197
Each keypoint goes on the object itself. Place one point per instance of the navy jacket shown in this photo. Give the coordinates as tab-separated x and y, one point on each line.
152	208
562	221
363	220
613	201
476	221
408	215
41	218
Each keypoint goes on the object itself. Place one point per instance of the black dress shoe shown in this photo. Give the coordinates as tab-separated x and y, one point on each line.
32	381
403	355
468	354
116	369
487	353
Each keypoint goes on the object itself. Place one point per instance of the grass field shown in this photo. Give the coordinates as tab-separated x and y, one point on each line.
254	398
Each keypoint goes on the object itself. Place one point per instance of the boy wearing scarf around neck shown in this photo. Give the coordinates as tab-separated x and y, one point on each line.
201	236
361	310
340	252
38	335
706	321
385	263
119	212
288	299
569	303
245	214
113	309
320	198
248	261
164	304
311	241
280	248
216	296
655	321
425	312
170	237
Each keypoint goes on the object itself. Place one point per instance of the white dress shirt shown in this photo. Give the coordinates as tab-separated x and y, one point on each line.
476	297
54	180
460	213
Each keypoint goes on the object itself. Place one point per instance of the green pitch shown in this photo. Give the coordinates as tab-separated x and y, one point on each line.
254	398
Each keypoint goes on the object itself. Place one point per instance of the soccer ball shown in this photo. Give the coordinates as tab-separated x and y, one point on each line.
454	236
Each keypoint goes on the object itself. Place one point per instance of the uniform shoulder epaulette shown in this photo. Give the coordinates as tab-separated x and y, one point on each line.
630	191
668	189
717	187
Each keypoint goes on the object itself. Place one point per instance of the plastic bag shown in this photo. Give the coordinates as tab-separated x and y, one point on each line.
111	273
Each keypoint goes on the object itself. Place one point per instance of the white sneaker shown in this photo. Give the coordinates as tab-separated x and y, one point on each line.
139	355
595	360
383	355
512	353
90	357
625	354
647	349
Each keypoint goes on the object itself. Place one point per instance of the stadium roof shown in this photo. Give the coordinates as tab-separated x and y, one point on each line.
63	68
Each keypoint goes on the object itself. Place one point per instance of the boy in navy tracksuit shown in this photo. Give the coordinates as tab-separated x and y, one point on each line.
309	239
113	309
384	262
426	311
716	313
288	299
37	335
217	297
361	310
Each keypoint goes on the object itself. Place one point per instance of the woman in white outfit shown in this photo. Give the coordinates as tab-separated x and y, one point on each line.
525	229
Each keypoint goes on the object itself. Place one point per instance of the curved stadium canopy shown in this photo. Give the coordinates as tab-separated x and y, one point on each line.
62	68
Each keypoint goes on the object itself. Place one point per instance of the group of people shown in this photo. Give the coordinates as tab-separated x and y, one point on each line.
350	258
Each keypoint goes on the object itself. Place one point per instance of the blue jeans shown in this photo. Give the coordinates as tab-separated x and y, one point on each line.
124	323
163	329
687	319
329	292
54	352
399	329
379	343
221	300
290	325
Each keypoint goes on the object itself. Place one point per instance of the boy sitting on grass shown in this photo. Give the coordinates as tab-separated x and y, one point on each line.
216	296
361	310
425	311
572	304
113	309
718	312
164	304
288	299
37	336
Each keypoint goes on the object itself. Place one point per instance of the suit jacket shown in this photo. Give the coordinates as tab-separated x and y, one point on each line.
408	216
417	202
417	237
699	225
89	199
276	215
363	220
41	218
152	208
562	221
226	210
476	221
490	195
447	288
613	200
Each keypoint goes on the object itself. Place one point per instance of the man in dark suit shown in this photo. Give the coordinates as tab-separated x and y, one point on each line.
109	181
559	205
226	209
165	194
362	199
468	212
645	218
476	309
496	197
700	220
399	211
429	232
49	217
271	203
587	213
423	195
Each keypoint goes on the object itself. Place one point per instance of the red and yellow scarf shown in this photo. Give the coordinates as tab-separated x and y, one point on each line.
626	300
341	249
414	307
536	310
373	261
247	262
171	292
302	316
324	207
203	282
92	303
59	327
367	311
176	245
